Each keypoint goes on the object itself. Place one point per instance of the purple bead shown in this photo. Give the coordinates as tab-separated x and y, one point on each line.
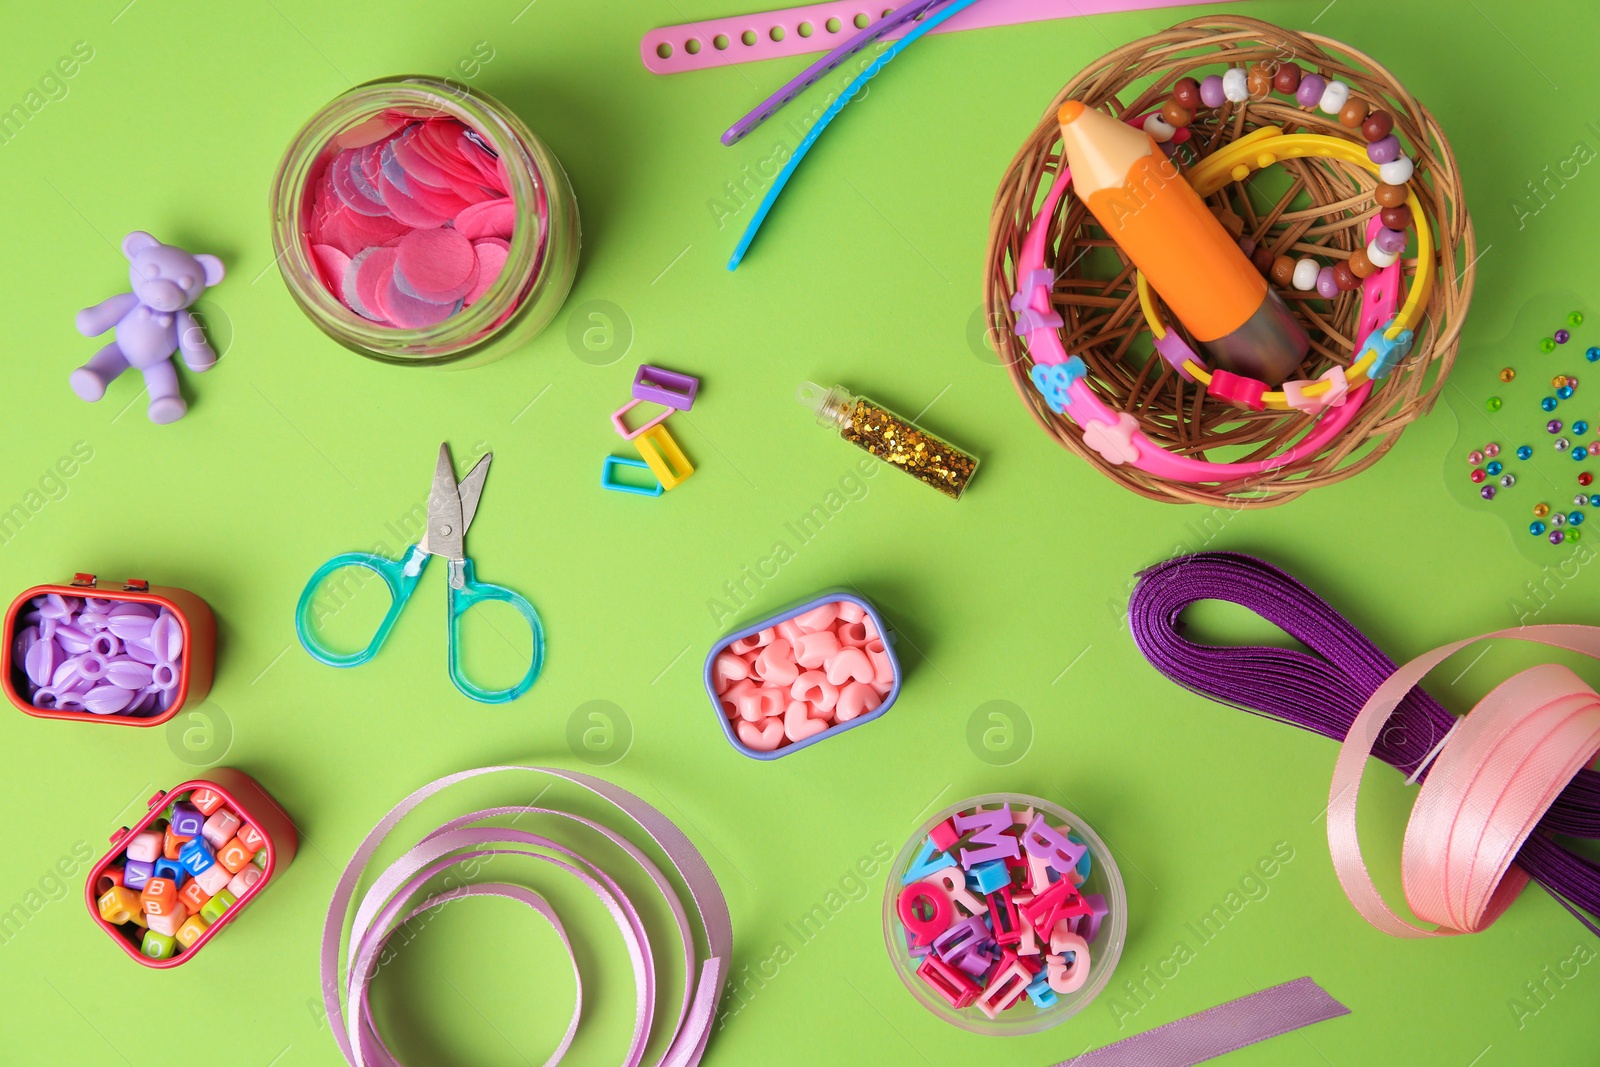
1553	426
1391	241
1384	151
1311	89
1562	337
1211	94
1556	537
1487	492
1327	284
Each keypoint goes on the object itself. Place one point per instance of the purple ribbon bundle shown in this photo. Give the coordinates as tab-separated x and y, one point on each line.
1324	689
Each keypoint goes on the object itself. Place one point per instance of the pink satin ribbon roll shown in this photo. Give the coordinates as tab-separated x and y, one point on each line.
1494	775
390	902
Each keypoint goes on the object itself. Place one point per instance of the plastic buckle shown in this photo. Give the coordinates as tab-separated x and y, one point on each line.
1054	379
620	423
666	387
1387	353
608	478
665	458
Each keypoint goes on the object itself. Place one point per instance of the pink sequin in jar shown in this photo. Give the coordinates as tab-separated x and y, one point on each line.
330	191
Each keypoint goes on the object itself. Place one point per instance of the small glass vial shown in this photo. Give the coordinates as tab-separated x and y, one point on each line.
543	254
899	442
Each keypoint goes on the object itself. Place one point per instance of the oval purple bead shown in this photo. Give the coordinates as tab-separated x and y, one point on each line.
1311	90
1211	94
1327	283
1384	151
1391	241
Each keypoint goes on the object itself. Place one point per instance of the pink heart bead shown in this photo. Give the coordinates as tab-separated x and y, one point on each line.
882	667
815	649
798	724
870	627
856	699
778	664
763	738
849	664
814	687
790	631
727	669
745	644
850	611
818	618
853	634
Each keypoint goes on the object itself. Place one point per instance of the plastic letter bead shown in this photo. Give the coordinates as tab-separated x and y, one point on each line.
186	821
216	906
191	930
170	870
1009	985
193	897
119	905
213	879
251	838
1052	846
169	922
145	847
947	981
159	897
220	828
985	878
925	911
136	873
158	946
207	801
248	876
954	883
988	828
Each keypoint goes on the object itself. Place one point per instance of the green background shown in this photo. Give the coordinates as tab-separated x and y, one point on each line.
868	274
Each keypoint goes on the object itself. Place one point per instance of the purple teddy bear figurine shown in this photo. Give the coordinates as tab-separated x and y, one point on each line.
151	323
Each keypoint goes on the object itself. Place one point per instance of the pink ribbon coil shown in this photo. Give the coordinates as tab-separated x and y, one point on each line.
391	901
1495	774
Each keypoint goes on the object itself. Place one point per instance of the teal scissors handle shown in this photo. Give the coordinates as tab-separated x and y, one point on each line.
465	592
401	577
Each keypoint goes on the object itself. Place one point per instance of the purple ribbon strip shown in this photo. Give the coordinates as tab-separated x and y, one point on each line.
1323	690
388	905
1219	1030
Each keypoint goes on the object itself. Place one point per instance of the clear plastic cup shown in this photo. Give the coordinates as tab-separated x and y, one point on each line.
1104	951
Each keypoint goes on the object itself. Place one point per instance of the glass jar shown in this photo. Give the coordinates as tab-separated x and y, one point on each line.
540	263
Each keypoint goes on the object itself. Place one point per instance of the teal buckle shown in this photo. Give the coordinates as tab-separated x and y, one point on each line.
608	477
1387	353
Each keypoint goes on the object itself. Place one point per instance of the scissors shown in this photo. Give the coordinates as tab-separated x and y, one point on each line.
451	506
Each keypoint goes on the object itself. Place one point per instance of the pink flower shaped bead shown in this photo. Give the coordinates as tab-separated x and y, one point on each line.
1114	441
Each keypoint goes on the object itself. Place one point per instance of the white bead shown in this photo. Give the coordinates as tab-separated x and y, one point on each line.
1305	274
1379	257
1397	173
1236	85
1334	98
1159	128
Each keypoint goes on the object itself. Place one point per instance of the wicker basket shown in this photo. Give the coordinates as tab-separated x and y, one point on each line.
1322	213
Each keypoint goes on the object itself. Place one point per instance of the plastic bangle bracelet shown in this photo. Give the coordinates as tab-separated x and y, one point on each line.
812	134
1115	434
808	77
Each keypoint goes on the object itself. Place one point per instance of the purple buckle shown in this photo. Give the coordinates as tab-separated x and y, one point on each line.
666	387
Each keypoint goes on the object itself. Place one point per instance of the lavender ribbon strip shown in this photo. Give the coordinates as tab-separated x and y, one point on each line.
386	907
1323	691
1219	1030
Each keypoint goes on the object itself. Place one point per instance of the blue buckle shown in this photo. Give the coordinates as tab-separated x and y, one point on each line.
609	481
1054	379
1387	353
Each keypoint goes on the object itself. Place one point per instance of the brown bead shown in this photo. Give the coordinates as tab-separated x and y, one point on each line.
1287	80
1396	218
1377	126
1262	258
1360	265
1345	277
1282	270
1353	114
1186	91
1391	195
1259	80
1177	114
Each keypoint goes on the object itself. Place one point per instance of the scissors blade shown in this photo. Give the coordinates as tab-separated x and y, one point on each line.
471	489
445	536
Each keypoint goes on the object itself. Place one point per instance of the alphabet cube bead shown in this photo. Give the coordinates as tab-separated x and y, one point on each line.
206	801
220	828
171	844
159	946
234	856
168	924
119	905
251	838
186	820
135	873
260	859
196	856
160	896
242	881
216	906
191	930
109	877
193	897
169	869
214	879
145	847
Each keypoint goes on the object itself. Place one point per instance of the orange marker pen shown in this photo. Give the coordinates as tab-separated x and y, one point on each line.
1144	204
